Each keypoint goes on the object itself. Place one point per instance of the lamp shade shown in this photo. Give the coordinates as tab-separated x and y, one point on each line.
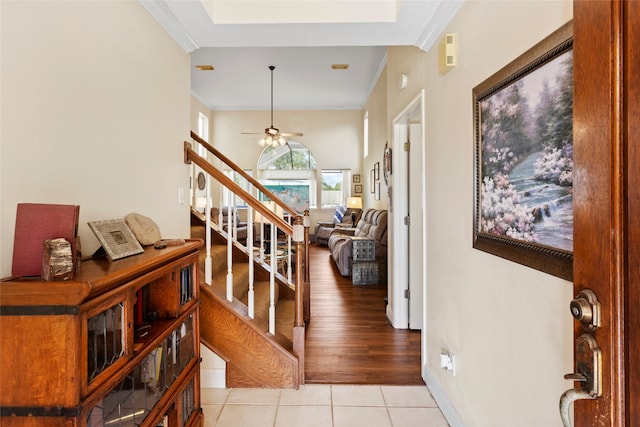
354	202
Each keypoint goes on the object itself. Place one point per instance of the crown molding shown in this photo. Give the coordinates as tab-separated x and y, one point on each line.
439	21
163	14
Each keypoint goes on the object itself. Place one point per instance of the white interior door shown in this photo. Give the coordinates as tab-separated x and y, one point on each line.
406	292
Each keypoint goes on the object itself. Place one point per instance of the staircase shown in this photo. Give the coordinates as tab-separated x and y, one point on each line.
250	316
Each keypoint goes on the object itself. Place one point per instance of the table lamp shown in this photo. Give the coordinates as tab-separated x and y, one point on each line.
354	203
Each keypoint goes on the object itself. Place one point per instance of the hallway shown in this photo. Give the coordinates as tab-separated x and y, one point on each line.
359	369
349	339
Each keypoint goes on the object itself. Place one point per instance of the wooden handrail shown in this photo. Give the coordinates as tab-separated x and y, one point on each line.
245	175
301	297
192	156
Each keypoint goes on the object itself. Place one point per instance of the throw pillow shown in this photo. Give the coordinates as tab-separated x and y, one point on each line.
339	214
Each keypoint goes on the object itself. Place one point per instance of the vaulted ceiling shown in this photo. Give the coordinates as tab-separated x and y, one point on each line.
303	39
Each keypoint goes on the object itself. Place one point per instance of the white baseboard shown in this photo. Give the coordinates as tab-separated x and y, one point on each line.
445	405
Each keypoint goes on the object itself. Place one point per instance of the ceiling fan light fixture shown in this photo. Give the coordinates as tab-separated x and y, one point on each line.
272	136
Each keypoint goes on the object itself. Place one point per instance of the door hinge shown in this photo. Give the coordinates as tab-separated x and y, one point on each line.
407	294
407	220
407	146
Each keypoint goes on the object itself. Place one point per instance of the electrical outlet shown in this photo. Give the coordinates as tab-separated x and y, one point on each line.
448	362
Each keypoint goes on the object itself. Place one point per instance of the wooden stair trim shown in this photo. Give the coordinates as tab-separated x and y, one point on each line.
254	357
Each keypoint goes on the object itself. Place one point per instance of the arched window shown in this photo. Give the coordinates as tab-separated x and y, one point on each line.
289	171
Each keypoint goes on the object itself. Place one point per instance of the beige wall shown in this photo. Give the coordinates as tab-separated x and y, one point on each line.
376	106
95	106
507	325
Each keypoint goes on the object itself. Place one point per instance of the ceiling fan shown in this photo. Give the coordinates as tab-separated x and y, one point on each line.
272	135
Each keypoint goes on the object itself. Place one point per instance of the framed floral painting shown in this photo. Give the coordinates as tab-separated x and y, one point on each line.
523	171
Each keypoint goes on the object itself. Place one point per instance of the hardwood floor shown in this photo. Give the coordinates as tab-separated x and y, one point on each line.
349	339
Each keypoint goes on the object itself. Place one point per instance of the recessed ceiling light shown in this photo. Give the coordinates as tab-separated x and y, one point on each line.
205	67
339	66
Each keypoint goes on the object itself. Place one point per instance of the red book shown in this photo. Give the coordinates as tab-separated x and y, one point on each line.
35	223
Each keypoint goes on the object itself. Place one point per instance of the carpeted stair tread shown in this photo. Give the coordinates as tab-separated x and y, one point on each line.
240	280
284	307
262	300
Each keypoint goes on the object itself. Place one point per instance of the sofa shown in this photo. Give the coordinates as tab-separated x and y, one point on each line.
373	225
341	218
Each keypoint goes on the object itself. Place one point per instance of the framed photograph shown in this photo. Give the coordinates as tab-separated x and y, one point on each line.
376	172
356	178
357	188
116	238
386	163
523	169
377	193
372	181
202	181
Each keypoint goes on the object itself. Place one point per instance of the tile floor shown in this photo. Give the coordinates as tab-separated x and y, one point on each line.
322	406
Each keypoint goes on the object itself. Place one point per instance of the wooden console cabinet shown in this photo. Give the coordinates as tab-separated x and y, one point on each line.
119	345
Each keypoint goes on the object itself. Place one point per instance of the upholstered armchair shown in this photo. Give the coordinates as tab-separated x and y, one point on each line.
342	218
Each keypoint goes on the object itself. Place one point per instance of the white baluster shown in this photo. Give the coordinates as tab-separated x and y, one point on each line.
208	270
273	251
251	268
229	253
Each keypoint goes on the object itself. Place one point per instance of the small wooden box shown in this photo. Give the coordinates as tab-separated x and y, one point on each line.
363	249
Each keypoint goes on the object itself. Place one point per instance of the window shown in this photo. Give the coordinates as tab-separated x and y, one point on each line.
237	201
289	172
292	155
203	132
335	187
365	148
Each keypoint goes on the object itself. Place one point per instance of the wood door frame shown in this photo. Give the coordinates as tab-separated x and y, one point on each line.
606	230
632	129
397	309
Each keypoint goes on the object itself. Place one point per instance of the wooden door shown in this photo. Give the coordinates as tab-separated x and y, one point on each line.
607	198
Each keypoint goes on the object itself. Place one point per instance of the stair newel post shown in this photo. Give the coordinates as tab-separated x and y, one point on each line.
298	323
229	251
307	282
298	238
307	224
249	244
289	258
